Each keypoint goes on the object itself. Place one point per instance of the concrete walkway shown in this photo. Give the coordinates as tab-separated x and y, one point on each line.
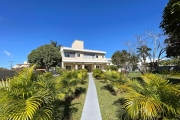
91	110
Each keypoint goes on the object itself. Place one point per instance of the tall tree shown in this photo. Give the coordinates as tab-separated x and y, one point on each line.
55	44
45	56
124	59
143	52
171	27
119	58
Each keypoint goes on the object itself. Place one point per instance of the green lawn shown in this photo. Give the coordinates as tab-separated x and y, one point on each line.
134	74
78	103
109	110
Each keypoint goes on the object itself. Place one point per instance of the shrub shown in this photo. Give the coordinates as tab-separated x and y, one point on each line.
114	80
60	70
97	73
26	96
111	67
115	68
82	75
67	84
154	98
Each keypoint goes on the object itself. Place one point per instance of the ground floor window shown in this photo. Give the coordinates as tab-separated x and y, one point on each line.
97	66
79	67
68	67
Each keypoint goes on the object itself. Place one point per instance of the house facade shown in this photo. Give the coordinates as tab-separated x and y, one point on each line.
76	57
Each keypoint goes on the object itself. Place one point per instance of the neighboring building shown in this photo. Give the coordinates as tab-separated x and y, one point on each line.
109	61
76	57
19	66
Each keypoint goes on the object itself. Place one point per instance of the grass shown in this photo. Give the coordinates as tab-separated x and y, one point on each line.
109	110
78	103
134	74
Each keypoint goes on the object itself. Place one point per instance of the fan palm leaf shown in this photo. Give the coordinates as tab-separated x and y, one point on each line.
25	97
151	99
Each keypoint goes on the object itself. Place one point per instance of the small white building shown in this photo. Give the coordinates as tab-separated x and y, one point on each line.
25	64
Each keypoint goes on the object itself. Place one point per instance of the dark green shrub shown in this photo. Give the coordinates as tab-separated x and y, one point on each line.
115	68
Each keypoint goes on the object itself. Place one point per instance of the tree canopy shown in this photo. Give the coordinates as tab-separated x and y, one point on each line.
124	59
171	27
45	56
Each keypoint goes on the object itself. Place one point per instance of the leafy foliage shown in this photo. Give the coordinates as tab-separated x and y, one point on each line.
26	96
120	58
68	83
154	98
60	70
143	52
82	75
112	67
45	56
124	59
114	80
33	96
97	73
171	27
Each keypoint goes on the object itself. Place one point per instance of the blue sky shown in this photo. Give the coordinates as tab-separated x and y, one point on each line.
102	24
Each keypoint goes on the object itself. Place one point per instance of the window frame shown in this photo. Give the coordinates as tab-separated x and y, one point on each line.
97	56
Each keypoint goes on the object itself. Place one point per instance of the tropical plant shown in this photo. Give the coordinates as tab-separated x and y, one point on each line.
114	79
82	75
98	73
26	96
68	88
143	52
152	98
60	70
67	84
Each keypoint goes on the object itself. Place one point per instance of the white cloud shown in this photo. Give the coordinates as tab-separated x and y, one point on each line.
7	53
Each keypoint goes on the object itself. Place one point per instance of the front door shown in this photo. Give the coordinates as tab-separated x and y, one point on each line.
87	67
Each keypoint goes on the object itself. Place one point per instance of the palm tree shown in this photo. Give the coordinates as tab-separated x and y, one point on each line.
26	96
154	98
54	43
143	52
67	84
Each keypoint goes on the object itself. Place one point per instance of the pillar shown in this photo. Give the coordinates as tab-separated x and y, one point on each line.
62	64
94	66
83	66
76	67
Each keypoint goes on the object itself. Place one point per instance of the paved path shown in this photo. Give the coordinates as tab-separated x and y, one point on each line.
91	110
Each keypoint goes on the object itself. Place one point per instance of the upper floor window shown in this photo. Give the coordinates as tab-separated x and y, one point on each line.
69	54
89	55
96	56
78	55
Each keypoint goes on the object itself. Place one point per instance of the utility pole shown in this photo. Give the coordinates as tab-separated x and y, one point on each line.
11	64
